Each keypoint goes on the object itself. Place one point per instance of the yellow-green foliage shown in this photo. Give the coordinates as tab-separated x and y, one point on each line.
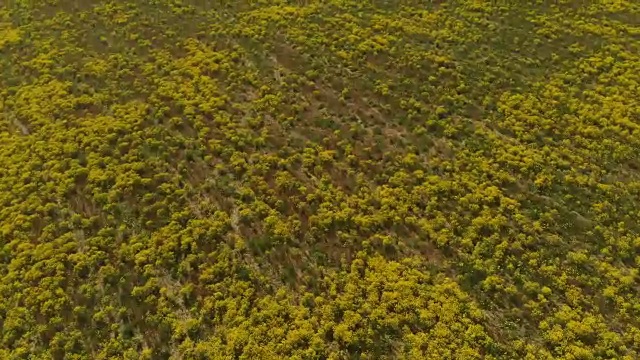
319	179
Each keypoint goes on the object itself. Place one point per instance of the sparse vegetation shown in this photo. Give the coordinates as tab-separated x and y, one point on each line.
319	179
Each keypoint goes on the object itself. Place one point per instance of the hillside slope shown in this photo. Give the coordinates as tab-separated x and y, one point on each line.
335	179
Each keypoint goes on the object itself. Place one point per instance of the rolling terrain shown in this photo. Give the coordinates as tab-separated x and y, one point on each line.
319	179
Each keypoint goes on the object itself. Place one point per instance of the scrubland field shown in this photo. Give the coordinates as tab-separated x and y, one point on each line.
335	179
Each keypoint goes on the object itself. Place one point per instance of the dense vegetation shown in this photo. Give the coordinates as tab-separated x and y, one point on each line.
335	179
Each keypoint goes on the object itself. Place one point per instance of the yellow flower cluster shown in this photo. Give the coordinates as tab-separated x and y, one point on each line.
319	179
